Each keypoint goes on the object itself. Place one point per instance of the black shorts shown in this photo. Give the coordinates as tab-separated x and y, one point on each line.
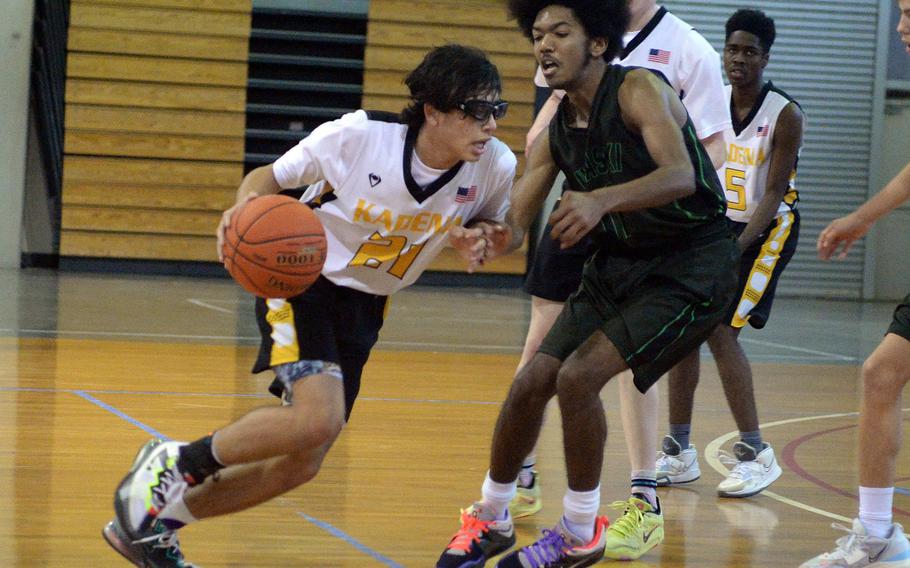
760	268
900	325
655	310
328	323
555	273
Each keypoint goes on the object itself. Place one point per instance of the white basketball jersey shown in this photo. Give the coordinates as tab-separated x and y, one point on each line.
749	144
382	228
689	63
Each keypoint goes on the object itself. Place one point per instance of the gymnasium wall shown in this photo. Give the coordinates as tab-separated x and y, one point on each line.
15	50
155	101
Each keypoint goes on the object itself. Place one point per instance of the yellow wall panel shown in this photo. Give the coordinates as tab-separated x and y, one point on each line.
137	246
155	120
149	197
156	69
151	95
242	6
135	220
163	19
119	119
153	145
146	172
158	44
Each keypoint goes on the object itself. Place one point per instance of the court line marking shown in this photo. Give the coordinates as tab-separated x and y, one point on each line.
206	305
337	533
837	356
350	540
714	446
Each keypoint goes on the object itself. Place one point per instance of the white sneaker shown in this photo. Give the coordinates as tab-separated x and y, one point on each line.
859	550
751	473
676	465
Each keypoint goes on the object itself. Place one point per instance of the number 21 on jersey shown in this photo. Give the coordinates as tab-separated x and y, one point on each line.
380	250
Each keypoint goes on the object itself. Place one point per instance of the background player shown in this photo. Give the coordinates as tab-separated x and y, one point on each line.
759	178
874	540
659	282
392	193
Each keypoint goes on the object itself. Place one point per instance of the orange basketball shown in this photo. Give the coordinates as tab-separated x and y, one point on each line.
274	246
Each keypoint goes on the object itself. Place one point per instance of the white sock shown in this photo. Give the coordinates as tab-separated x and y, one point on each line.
580	512
498	496
875	510
177	511
526	475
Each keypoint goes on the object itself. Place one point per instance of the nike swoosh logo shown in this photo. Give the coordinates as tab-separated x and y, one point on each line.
647	535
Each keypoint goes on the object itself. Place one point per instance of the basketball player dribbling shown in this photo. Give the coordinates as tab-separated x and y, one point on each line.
390	193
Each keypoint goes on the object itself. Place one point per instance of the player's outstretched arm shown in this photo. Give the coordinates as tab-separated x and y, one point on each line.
260	181
842	233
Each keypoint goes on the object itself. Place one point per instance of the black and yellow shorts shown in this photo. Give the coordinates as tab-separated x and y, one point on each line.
900	324
328	324
655	310
760	268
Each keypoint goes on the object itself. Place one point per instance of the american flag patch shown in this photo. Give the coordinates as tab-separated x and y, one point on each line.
659	56
762	130
466	194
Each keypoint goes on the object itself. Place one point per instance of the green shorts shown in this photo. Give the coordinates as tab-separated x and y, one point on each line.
655	310
900	325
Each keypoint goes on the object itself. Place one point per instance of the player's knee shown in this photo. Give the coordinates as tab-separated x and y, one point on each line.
535	381
883	377
574	383
300	468
318	427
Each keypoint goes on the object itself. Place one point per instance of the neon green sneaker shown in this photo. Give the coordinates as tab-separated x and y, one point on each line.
638	530
527	500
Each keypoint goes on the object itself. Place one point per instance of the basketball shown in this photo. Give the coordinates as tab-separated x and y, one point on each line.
274	246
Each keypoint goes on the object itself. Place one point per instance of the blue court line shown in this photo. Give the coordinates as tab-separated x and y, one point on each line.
321	524
337	533
902	490
121	414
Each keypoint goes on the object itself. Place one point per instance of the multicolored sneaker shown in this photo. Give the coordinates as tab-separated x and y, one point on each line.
559	548
527	499
751	473
676	465
480	538
859	550
638	530
160	549
152	482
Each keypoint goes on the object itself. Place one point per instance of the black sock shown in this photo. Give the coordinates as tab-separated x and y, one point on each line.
196	461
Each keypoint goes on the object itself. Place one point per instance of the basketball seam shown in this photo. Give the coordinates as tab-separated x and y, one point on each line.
260	216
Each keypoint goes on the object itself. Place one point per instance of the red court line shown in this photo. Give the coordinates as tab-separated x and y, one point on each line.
788	456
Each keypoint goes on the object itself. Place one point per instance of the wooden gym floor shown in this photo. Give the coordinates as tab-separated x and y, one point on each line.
93	365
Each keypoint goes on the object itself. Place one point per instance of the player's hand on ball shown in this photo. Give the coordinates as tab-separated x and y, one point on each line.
226	222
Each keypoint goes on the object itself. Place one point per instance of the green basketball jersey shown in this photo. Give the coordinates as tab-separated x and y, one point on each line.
608	153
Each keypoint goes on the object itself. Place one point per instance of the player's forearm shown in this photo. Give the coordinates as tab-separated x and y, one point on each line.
765	211
664	185
260	181
716	148
890	197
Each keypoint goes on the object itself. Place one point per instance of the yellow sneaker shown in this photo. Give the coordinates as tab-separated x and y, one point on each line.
638	530
527	500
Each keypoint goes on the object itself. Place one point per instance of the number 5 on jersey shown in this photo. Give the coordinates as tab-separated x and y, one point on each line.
735	185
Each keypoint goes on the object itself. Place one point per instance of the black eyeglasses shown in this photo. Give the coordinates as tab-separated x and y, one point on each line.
483	110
